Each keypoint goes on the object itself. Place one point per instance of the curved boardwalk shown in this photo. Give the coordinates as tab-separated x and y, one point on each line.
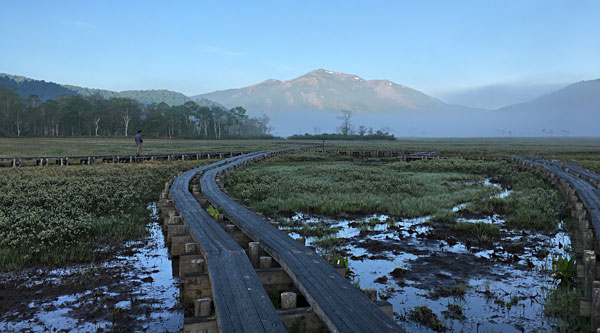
241	303
580	187
578	179
340	305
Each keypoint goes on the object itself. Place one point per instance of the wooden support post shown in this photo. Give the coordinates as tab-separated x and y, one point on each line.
199	263
371	293
328	257
203	307
288	300
253	250
588	239
589	271
595	305
266	262
190	247
301	240
275	224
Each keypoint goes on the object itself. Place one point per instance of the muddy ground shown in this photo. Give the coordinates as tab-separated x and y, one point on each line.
439	279
132	291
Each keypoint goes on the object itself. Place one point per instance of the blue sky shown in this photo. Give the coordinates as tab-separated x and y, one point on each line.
198	47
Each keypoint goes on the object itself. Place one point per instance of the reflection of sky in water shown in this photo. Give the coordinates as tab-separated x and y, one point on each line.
151	258
483	313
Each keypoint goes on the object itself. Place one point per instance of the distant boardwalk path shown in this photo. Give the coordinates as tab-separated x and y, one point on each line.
89	160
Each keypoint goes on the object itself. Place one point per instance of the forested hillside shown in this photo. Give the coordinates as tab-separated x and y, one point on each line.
50	90
75	115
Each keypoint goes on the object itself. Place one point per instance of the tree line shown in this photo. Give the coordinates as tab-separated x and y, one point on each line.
347	131
73	115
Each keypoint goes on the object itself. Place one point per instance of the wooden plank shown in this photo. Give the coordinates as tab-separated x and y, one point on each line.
229	269
342	307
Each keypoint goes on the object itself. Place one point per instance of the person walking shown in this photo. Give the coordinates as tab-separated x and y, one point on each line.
139	140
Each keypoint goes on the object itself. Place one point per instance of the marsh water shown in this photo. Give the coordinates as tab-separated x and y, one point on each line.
133	291
471	287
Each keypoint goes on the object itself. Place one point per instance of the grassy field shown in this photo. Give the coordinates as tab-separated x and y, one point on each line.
341	186
487	147
64	215
90	146
583	149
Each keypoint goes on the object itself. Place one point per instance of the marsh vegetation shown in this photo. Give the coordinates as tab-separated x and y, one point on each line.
62	215
471	241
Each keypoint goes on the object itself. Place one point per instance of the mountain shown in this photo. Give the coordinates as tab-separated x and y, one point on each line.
571	111
312	102
323	90
143	96
495	96
582	97
25	87
50	90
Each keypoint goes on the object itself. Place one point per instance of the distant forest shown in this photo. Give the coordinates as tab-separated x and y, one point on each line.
94	115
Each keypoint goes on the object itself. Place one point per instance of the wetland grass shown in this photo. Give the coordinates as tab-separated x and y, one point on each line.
286	184
563	303
483	232
423	315
60	215
444	215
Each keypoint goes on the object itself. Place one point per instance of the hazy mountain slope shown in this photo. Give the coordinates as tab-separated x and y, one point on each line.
25	87
143	96
495	96
581	97
573	111
325	90
50	90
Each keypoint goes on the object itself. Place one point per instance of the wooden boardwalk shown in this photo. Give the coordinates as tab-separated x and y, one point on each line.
580	188
89	160
241	302
340	305
577	178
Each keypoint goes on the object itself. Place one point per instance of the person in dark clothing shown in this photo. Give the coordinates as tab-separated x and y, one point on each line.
139	140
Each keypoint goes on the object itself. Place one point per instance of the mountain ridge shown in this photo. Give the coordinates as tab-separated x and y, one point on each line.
582	95
50	90
327	90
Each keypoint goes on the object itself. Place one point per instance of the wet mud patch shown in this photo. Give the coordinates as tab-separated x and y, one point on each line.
132	291
481	277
